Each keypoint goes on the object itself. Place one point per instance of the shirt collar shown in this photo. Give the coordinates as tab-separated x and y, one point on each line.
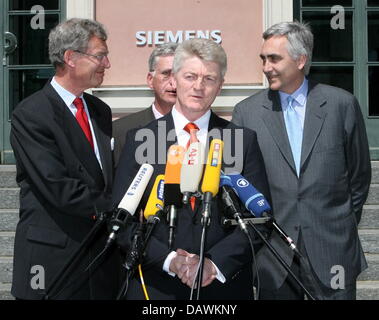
180	120
157	114
66	95
300	95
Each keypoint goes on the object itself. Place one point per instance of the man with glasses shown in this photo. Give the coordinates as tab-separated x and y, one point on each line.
61	139
159	80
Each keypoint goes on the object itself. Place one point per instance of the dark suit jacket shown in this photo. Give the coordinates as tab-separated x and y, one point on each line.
123	125
227	248
326	201
62	186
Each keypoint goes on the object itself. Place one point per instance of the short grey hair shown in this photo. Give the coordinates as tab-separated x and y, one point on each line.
73	34
205	49
164	50
300	39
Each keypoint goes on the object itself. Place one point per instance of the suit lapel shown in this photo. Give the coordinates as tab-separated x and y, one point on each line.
103	142
74	134
274	121
314	119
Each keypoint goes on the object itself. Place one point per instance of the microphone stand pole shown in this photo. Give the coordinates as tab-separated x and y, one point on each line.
135	255
74	259
205	221
280	259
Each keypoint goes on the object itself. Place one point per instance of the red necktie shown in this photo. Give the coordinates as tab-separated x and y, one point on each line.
192	129
82	119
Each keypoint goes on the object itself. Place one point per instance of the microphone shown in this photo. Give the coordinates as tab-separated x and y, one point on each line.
171	194
256	203
192	170
134	255
231	202
129	203
154	205
253	200
211	180
152	212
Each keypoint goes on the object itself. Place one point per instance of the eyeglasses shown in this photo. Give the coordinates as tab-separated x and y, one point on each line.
98	57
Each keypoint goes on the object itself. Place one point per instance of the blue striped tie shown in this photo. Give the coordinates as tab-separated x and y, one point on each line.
294	132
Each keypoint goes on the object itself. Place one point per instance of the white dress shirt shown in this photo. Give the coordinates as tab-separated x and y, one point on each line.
300	100
68	99
156	113
180	121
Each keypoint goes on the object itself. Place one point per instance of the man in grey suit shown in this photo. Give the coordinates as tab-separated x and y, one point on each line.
315	149
158	79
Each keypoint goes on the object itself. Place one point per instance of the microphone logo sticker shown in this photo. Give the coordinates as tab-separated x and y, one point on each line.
160	190
215	155
192	157
261	203
242	183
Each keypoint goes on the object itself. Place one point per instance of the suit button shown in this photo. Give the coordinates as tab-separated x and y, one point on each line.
80	168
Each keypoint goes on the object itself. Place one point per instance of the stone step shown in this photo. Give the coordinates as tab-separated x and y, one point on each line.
8	176
372	272
8	219
5	291
6	269
370	240
370	217
368	290
6	244
375	172
9	198
373	195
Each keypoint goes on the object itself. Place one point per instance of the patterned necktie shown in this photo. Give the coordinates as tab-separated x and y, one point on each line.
192	129
82	119
294	132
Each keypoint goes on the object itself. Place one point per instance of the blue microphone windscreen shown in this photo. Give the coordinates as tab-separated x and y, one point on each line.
251	197
225	181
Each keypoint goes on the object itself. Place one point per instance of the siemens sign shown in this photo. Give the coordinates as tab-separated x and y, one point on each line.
160	37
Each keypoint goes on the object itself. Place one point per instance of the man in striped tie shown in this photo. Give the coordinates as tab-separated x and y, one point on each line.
315	148
170	263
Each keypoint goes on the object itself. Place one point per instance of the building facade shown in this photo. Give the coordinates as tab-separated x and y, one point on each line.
346	50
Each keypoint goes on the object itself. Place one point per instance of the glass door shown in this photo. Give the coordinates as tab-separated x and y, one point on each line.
25	64
346	53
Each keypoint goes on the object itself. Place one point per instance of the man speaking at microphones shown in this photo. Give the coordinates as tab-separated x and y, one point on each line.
198	75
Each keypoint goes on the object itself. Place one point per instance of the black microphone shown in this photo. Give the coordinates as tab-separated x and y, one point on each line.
256	203
130	201
134	255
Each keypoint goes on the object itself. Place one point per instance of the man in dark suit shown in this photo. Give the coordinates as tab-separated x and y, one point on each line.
315	150
61	141
199	69
159	80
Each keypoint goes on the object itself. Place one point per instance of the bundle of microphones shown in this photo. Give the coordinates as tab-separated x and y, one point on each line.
183	174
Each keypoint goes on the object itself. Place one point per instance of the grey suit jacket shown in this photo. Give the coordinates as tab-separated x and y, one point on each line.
123	125
326	201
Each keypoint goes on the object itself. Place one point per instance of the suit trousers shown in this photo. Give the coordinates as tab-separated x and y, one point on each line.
290	290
